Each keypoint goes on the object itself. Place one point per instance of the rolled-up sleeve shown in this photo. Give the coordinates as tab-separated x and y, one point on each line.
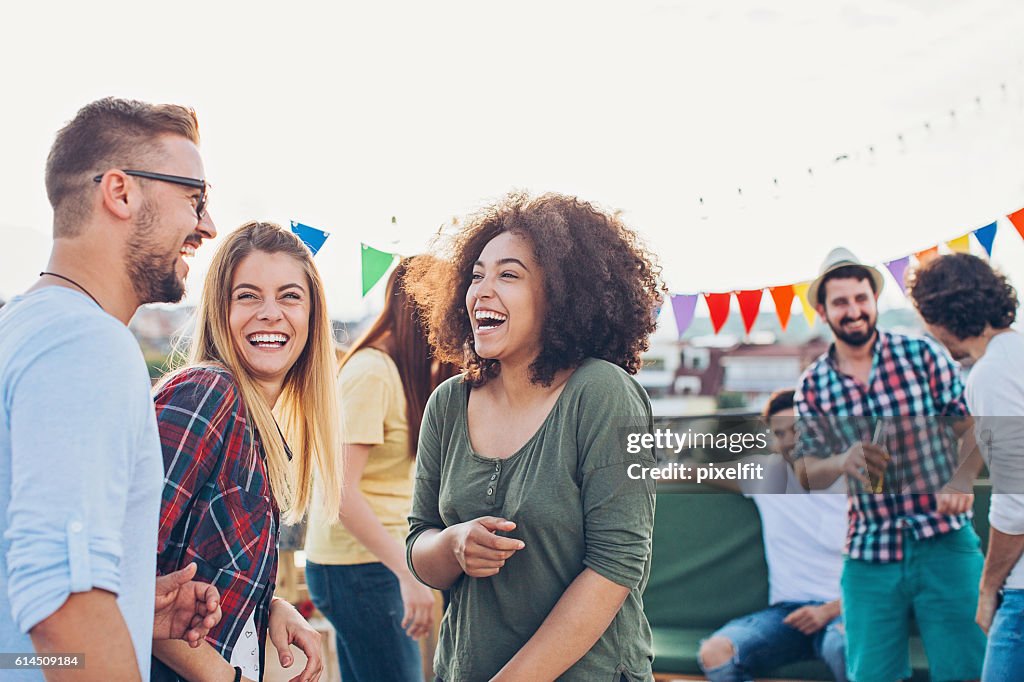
72	437
812	431
619	522
1006	513
618	509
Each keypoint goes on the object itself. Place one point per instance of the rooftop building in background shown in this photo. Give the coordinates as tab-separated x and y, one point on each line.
752	371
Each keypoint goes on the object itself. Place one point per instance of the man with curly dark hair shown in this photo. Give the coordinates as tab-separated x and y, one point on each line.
523	507
964	302
969	307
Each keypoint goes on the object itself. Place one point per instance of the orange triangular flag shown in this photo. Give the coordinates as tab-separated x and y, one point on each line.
926	255
783	297
800	290
1017	218
750	306
718	306
960	244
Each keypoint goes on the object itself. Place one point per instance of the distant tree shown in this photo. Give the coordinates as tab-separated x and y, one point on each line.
728	400
156	363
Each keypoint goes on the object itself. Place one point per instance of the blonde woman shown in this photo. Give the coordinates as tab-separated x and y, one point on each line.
244	427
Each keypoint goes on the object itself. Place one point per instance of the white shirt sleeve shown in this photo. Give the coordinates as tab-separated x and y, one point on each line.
996	399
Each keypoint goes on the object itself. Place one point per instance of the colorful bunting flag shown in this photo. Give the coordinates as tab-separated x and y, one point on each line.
986	236
1017	218
800	290
926	255
375	265
960	244
312	237
898	268
750	306
783	297
683	306
718	306
656	312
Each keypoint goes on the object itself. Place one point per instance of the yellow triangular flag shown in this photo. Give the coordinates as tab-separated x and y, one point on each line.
960	244
801	292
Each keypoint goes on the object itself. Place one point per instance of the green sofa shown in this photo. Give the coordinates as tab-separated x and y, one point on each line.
708	567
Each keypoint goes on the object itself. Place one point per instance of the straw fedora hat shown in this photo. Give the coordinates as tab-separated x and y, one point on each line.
838	258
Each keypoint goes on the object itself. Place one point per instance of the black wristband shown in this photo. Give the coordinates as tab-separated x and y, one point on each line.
238	674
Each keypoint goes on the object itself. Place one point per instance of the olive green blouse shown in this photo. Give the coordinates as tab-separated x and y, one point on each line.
575	507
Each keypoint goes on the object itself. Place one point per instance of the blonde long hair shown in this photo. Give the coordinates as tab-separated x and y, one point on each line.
308	406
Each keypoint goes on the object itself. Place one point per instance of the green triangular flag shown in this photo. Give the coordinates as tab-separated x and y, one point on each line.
375	265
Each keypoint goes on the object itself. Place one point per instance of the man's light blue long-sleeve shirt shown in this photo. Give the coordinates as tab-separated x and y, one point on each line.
80	468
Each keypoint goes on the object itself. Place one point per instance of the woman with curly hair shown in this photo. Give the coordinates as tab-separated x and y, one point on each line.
262	352
523	508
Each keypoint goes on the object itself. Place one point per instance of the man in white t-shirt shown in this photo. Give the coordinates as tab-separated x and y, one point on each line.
969	308
804	535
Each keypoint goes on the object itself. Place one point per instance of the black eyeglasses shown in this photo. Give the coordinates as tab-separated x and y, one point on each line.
201	185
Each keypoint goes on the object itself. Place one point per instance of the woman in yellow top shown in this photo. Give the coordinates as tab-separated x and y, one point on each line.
356	573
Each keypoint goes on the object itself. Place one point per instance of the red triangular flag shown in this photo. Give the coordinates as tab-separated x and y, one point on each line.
718	306
1017	218
750	305
783	297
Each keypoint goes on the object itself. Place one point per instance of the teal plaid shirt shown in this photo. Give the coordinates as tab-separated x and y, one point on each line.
911	378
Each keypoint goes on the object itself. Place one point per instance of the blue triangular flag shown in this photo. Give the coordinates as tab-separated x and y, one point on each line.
312	237
986	235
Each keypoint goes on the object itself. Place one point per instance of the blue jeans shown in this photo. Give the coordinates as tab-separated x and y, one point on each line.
762	642
364	604
1004	657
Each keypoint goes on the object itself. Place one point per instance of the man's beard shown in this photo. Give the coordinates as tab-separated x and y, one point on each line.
153	273
856	339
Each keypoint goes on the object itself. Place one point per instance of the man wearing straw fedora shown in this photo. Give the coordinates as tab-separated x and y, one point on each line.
910	544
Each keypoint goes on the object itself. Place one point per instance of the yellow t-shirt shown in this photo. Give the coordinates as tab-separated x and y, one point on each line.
373	404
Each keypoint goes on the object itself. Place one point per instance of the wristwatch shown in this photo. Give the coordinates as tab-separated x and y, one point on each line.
238	674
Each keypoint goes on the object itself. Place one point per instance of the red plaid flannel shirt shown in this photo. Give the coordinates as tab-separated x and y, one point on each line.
217	508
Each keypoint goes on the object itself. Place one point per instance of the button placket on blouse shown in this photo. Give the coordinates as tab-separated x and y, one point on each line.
492	483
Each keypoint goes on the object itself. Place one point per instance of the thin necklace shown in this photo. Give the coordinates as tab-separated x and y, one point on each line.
68	279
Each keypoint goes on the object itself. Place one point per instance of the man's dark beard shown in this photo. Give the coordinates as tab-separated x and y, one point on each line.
855	339
153	274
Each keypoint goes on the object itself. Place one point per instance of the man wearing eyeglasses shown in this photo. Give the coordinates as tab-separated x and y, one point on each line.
81	469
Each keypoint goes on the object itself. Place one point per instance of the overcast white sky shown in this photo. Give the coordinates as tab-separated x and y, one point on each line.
342	116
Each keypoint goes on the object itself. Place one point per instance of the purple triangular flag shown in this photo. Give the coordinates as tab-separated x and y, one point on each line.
986	235
683	305
898	268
